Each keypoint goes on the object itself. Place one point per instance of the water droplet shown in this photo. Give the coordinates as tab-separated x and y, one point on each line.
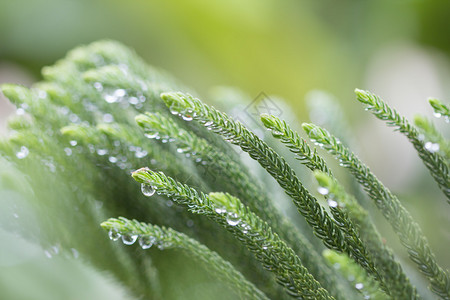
146	241
20	111
332	203
110	98
15	215
112	159
432	147
22	153
220	210
68	151
151	134
108	118
189	223
147	190
75	252
323	190
187	117
129	239
276	133
245	227
437	115
102	152
133	100
183	149
233	219
120	93
169	203
73	143
98	86
114	234
359	286
208	124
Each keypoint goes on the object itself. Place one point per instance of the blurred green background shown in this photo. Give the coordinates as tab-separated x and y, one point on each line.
398	49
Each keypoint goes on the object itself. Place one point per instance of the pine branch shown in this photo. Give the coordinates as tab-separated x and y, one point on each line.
401	221
346	211
396	282
282	131
433	161
256	234
432	137
440	109
167	238
234	132
245	188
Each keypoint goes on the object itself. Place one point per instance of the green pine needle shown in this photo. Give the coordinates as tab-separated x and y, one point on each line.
345	210
234	132
437	166
401	221
166	238
256	234
440	109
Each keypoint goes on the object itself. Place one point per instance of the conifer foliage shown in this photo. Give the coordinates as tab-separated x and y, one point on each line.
141	161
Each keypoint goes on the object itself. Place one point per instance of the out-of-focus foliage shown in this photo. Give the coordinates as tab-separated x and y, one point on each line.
285	48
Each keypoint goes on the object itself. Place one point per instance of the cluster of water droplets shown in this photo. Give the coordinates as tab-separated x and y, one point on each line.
55	250
186	114
138	151
145	241
439	115
154	134
428	145
232	218
325	192
123	97
114	157
432	147
113	96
